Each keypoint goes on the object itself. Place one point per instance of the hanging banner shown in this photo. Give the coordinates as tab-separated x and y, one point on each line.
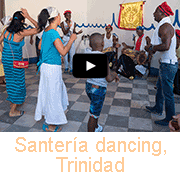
131	15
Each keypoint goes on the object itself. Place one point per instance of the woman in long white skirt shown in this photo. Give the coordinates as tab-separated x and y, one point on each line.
52	95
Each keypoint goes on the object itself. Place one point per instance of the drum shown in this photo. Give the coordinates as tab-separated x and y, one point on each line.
110	55
109	49
139	57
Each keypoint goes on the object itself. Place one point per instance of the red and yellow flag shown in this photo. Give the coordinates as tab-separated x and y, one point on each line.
131	15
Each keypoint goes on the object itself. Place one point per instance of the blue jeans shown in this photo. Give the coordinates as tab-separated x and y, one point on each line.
71	53
164	85
96	97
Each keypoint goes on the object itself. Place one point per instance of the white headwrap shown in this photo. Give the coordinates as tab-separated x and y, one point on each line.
6	20
53	12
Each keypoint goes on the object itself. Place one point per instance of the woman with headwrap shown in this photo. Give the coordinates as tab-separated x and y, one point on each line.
13	38
52	95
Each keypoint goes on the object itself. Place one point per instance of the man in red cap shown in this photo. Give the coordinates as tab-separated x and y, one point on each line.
110	40
68	28
164	41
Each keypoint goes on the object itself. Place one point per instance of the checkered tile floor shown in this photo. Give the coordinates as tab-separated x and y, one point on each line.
123	109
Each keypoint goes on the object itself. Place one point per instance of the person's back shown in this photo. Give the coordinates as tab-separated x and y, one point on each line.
49	53
13	38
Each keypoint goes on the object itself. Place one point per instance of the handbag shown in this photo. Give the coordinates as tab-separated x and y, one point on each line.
20	64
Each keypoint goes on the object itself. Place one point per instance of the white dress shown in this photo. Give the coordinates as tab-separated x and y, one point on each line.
52	95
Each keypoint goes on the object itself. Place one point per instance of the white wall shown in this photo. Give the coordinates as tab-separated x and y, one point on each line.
92	11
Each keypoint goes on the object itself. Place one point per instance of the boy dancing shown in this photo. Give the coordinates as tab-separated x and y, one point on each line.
96	87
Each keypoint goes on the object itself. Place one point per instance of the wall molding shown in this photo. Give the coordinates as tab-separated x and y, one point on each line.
176	21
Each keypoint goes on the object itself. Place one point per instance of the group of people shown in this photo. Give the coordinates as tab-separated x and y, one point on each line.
52	95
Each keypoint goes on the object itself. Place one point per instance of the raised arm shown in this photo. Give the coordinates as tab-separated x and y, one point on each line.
74	30
63	50
29	32
26	15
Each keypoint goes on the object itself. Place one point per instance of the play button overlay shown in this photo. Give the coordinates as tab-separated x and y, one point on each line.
90	65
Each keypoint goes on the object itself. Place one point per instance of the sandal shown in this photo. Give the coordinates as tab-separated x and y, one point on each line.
45	128
21	113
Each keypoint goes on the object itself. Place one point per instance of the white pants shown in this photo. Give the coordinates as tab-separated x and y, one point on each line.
52	95
71	54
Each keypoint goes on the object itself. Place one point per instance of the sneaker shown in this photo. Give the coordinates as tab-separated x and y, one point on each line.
163	122
66	70
152	110
99	129
71	71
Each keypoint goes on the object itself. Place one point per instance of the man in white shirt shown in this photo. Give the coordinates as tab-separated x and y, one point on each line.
68	28
164	42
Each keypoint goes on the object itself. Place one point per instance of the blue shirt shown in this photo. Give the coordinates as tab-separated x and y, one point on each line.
49	54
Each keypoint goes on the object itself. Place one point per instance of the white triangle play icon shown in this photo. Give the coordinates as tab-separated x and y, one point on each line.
89	65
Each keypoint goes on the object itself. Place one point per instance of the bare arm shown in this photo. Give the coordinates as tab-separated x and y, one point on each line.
1	40
126	46
111	75
29	32
166	32
26	15
74	30
1	48
63	29
114	41
63	50
31	39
